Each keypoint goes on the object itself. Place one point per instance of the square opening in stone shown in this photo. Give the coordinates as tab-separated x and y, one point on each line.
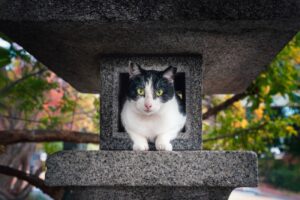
179	84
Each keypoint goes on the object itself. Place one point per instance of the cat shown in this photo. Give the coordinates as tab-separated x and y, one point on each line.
152	110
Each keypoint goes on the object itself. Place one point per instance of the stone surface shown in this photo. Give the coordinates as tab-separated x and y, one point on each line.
152	169
113	87
150	193
237	39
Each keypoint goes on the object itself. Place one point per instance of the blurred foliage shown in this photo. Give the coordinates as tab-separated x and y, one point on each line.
292	144
253	123
31	97
96	116
52	147
281	174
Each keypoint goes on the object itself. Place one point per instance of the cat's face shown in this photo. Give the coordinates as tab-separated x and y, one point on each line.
149	90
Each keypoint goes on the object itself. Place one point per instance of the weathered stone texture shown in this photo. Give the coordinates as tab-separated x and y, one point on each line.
152	169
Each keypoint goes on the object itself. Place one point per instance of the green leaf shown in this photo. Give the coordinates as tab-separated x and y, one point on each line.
4	61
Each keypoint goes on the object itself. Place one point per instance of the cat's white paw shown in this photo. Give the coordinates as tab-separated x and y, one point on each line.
166	146
140	147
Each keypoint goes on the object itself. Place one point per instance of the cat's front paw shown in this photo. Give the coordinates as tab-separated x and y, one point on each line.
166	146
140	147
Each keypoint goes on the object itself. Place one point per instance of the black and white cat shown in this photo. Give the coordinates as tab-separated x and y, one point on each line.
152	111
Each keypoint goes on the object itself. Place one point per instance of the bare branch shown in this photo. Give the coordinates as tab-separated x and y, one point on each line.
19	119
55	192
15	136
216	109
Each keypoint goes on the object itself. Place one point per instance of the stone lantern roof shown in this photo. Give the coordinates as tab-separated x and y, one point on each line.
237	40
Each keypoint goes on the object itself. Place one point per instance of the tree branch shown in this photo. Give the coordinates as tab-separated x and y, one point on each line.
216	109
20	119
241	132
55	192
7	88
15	136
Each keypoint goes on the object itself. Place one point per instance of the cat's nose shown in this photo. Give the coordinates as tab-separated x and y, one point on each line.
148	106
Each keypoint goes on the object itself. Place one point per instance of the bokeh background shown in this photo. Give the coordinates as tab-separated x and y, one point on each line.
41	114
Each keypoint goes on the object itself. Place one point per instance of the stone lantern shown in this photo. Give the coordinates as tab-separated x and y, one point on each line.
218	46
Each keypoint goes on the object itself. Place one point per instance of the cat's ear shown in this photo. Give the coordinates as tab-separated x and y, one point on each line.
134	69
169	73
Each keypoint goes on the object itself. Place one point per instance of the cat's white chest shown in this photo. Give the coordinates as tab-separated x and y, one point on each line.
169	120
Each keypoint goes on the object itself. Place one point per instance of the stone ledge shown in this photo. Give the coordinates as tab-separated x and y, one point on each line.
152	168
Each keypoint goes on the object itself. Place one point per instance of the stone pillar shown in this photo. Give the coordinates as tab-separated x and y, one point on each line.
116	172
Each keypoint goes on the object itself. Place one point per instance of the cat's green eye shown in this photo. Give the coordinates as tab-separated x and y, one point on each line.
140	91
159	92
